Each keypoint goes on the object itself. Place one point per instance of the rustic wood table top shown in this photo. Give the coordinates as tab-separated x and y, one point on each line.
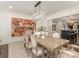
51	43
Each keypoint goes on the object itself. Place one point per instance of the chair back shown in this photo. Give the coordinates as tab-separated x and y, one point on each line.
27	36
33	42
56	35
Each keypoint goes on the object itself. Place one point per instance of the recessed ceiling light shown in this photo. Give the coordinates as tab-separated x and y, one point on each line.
10	7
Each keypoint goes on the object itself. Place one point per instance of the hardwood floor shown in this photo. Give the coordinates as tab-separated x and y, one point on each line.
4	51
17	50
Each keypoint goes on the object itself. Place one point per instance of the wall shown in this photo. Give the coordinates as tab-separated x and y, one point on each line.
5	21
62	13
5	25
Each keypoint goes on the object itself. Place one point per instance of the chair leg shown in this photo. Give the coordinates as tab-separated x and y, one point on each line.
56	52
42	55
32	55
26	49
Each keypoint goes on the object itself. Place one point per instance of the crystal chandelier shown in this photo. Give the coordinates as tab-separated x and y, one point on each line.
38	13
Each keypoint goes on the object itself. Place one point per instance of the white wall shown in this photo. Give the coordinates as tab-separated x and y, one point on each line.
5	21
65	12
5	24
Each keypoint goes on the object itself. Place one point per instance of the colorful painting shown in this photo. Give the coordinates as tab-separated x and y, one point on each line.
20	26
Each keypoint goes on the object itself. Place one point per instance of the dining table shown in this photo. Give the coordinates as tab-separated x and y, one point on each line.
51	43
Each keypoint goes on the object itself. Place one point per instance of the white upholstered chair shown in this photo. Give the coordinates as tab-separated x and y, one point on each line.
27	41
68	54
36	50
56	35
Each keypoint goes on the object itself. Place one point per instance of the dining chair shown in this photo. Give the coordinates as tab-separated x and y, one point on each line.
74	47
27	43
68	53
56	35
37	51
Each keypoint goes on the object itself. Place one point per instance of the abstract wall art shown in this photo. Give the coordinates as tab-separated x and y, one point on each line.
20	26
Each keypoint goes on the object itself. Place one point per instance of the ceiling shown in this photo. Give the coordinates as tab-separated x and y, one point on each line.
27	7
74	17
